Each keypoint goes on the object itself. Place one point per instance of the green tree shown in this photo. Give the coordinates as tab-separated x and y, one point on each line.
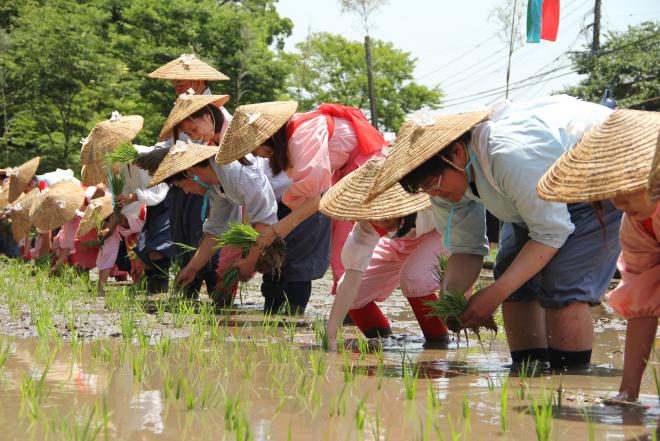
66	64
627	63
55	75
330	68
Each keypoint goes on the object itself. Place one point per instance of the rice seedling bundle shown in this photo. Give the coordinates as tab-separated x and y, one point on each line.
452	304
124	154
243	236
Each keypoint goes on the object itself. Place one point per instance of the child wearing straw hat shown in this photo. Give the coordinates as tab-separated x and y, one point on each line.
227	188
64	243
315	149
393	243
189	72
552	264
111	233
185	220
614	162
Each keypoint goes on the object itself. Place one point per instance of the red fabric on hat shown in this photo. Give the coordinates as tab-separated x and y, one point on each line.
369	139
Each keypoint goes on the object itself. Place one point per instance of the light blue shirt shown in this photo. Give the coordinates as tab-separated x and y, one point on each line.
520	147
240	185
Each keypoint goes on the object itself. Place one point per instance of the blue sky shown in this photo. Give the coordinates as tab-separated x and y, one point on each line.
456	45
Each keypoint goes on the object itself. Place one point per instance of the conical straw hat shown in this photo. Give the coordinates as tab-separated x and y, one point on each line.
97	173
654	177
20	214
613	158
21	176
185	106
57	205
4	196
97	207
416	143
180	157
343	200
107	135
251	125
188	67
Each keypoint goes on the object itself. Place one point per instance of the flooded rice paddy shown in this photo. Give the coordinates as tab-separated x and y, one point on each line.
124	367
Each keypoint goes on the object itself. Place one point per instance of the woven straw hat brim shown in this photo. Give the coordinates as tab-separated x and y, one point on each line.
20	215
417	143
178	160
251	125
612	159
57	205
194	70
108	135
654	176
97	173
343	201
102	206
4	196
21	177
185	107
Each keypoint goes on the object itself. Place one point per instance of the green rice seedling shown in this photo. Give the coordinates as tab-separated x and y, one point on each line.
318	362
504	405
338	403
127	324
375	424
490	383
410	375
290	328
138	365
451	305
542	412
363	348
591	426
189	395
361	413
244	236
5	353
85	429
117	184
232	412
432	399
32	391
124	154
320	334
238	235
466	414
164	346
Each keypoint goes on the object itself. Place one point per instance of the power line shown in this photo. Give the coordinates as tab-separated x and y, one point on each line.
458	58
501	88
460	77
501	91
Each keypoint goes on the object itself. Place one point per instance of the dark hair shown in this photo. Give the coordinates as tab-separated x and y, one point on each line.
151	160
182	174
279	162
406	224
433	166
209	109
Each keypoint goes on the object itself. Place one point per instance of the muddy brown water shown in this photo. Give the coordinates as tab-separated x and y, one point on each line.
288	389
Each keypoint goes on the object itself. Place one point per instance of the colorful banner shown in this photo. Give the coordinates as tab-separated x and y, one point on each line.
542	20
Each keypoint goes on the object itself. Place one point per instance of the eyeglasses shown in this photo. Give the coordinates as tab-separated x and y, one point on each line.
433	186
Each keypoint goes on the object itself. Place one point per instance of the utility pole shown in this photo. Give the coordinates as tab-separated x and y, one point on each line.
511	43
595	44
370	82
